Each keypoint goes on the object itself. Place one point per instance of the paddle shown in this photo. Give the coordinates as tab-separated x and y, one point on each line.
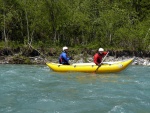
101	62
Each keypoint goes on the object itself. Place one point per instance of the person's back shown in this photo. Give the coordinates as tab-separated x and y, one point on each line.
97	58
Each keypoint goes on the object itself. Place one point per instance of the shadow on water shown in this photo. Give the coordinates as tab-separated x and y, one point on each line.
91	77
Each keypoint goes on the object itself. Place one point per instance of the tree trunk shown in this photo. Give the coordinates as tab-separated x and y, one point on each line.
4	29
26	14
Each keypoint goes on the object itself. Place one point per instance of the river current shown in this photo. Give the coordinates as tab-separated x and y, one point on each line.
37	89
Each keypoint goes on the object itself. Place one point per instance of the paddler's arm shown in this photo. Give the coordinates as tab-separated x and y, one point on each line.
65	57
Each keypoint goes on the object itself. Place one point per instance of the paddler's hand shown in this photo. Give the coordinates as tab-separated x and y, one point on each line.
99	64
71	58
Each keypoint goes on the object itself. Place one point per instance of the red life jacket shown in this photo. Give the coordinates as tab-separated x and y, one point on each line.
98	57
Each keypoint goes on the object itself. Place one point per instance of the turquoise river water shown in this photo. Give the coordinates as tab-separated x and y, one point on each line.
37	89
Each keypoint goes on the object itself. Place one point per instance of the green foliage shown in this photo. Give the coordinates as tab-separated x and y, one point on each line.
20	60
76	23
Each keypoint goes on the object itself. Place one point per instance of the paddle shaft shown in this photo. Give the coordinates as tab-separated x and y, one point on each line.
101	62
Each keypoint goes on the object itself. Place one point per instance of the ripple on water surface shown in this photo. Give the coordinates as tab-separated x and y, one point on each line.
37	89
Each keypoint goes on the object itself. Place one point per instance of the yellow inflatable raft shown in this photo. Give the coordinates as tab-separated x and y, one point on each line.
107	67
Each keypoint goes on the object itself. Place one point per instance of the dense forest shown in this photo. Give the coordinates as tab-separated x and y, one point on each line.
114	24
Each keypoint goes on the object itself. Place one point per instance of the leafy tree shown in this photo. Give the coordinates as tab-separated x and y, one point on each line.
105	23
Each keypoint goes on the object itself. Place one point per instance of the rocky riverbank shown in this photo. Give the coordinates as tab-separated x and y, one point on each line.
78	59
137	61
32	56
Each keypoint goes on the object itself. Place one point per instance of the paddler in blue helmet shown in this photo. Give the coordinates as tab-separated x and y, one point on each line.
63	58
